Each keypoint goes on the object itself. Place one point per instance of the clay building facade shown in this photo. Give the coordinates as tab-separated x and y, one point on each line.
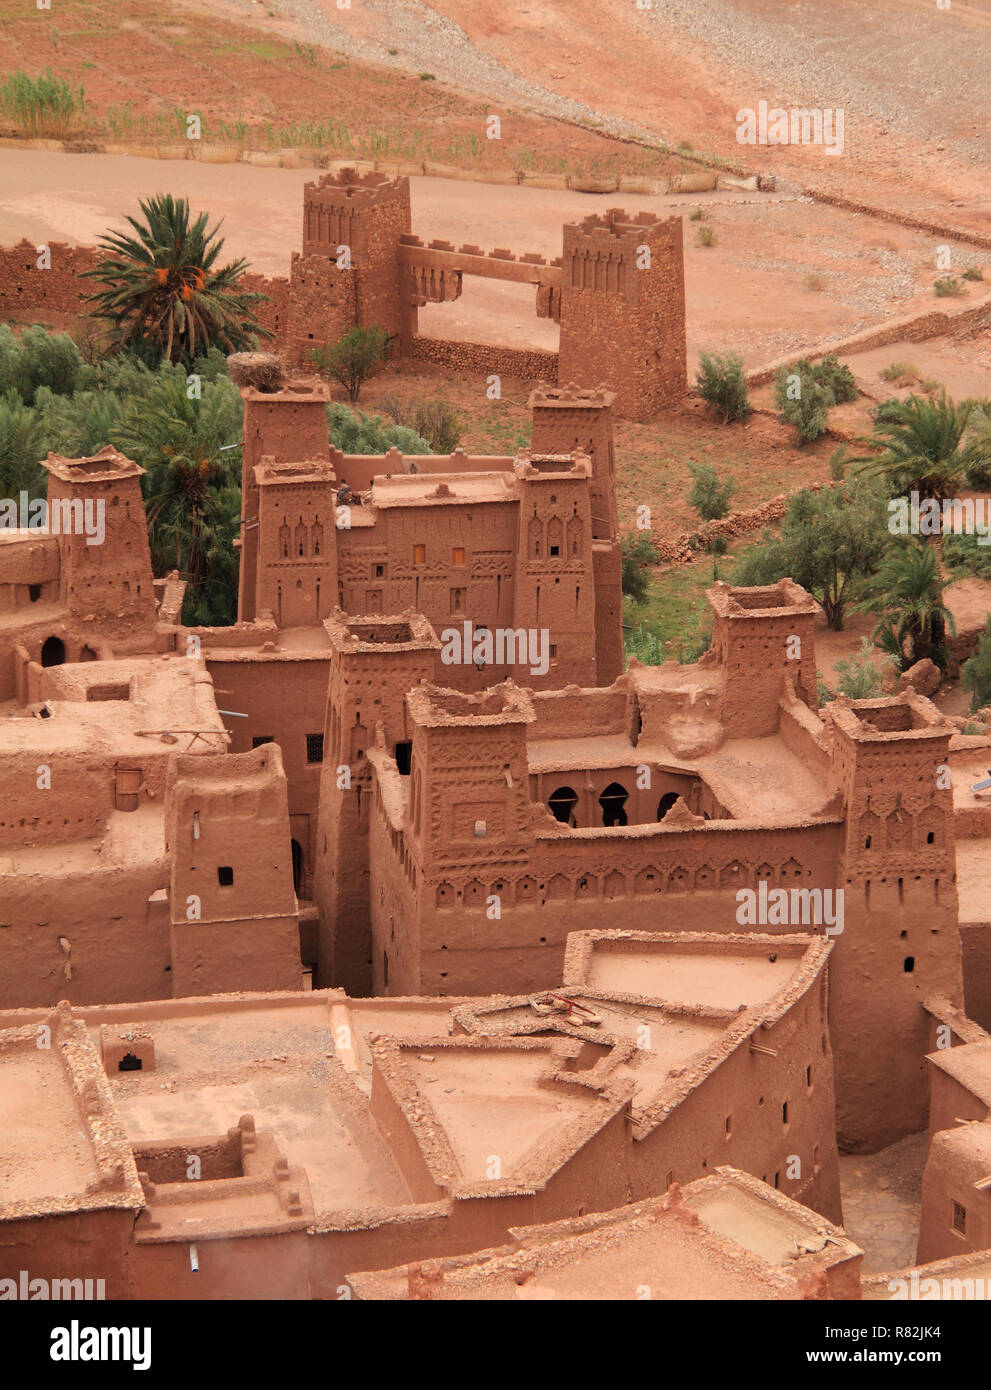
617	290
523	811
391	1131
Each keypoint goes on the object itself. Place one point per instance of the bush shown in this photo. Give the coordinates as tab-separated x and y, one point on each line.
436	421
707	236
39	358
949	287
802	401
897	370
859	678
975	674
356	433
839	461
973	272
638	554
823	692
353	358
721	383
708	495
886	410
836	379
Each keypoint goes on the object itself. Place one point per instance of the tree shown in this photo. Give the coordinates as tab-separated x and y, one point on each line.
356	433
722	384
858	676
923	447
830	542
975	673
23	443
708	495
802	401
179	439
163	293
907	591
638	554
353	358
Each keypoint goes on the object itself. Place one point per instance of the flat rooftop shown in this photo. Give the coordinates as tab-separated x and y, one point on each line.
970	1065
434	490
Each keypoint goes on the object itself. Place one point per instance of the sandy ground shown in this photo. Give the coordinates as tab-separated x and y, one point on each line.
783	274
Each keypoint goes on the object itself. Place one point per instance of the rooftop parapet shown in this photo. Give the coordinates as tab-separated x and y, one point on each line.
374	633
109	465
765	600
433	707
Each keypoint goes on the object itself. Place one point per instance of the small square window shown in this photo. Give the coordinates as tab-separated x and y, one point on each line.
555	550
380	571
419	554
314	748
225	876
458	555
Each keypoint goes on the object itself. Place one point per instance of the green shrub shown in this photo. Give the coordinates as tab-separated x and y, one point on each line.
708	494
638	554
707	235
973	272
436	421
949	287
355	433
355	357
802	401
836	379
721	383
975	674
858	677
897	370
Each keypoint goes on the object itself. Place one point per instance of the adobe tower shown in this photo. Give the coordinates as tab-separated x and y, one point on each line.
623	309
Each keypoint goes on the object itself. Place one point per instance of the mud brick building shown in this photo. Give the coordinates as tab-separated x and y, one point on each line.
387	1132
617	290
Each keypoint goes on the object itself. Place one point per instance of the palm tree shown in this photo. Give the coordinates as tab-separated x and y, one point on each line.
907	592
191	479
163	294
923	447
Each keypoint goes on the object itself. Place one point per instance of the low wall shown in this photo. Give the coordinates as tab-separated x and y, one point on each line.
526	364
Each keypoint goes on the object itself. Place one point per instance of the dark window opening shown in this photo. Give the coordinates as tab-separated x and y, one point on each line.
613	802
34	592
562	804
784	1113
259	739
909	964
555	550
314	748
225	876
53	652
297	866
665	804
404	754
959	1218
129	1062
930	837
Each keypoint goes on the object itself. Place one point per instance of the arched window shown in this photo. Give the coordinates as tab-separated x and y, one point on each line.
613	803
53	652
562	804
665	804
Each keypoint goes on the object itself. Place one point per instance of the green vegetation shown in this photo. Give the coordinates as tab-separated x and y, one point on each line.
44	106
722	384
355	357
859	677
162	293
973	272
949	287
435	421
975	673
805	393
355	433
897	370
907	592
830	542
707	235
638	555
708	495
927	447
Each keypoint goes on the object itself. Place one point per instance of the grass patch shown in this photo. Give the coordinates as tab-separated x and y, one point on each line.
45	106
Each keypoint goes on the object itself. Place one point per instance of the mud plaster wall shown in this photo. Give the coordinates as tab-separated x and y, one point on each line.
81	1245
958	1158
976	952
256	1267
